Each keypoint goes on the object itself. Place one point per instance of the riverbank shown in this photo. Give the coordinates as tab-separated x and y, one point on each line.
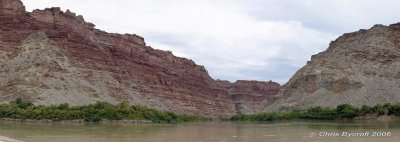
7	139
105	121
21	110
345	111
26	111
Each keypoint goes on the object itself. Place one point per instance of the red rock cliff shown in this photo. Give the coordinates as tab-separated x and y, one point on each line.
52	57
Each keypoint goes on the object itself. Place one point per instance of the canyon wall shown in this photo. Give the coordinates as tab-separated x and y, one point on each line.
51	57
250	96
359	68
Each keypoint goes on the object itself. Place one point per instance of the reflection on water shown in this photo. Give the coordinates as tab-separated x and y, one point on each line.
279	131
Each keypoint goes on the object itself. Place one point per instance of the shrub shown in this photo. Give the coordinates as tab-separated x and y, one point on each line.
344	111
63	106
380	109
21	109
347	111
23	104
320	113
266	116
243	117
366	109
395	109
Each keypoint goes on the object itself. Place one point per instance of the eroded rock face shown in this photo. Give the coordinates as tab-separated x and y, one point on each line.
11	8
52	57
358	68
251	96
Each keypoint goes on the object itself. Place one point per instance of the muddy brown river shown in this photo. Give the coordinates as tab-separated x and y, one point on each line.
277	131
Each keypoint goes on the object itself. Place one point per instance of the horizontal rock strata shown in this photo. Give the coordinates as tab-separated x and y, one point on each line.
51	57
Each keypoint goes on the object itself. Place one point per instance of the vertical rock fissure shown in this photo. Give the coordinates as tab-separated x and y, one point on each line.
1	7
54	20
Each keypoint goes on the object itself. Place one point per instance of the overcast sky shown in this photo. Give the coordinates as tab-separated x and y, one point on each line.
235	39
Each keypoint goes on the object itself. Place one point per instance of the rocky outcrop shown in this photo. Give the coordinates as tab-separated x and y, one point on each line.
250	96
52	57
358	68
11	8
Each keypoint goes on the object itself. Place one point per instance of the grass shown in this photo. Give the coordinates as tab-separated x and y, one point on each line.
344	111
21	109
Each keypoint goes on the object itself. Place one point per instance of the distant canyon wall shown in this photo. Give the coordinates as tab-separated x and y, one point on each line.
359	68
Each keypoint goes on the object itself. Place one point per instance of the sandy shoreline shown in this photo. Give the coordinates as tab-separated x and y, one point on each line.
7	139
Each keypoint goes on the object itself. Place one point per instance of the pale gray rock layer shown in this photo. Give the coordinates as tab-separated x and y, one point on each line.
360	68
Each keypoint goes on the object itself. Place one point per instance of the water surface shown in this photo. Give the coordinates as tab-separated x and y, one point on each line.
277	131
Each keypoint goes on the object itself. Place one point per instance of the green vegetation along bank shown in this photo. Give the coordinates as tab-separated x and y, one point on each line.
344	111
21	109
24	110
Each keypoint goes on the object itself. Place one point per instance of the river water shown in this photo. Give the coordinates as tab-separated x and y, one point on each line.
276	131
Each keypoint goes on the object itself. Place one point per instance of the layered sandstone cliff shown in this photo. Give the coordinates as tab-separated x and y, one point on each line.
51	57
250	96
358	68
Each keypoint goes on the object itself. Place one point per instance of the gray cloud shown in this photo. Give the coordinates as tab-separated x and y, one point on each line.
333	16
